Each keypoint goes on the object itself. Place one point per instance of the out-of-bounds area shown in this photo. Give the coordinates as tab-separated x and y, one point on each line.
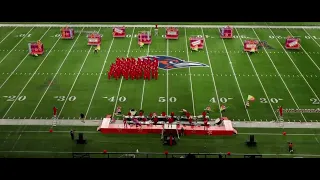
71	77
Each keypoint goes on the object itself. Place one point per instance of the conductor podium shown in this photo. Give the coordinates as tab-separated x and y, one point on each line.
144	37
119	32
196	42
292	43
172	33
94	39
67	33
226	32
250	45
36	48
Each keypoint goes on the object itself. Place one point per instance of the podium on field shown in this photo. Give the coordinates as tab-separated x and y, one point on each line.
196	42
144	37
292	43
119	32
67	33
94	39
172	33
226	32
36	48
250	45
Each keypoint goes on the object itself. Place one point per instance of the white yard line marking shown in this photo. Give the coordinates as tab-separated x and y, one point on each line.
311	37
115	104
30	79
306	52
45	92
235	77
167	78
8	35
15	143
315	137
101	72
16	45
22	61
295	66
144	81
259	79
213	80
75	80
187	50
280	76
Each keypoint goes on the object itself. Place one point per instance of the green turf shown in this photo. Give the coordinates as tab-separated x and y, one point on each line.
36	141
66	58
186	23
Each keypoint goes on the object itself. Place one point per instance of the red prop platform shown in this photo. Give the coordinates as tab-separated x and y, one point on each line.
108	128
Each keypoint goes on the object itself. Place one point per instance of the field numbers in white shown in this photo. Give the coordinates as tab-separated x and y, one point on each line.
222	100
284	37
63	98
112	99
272	100
171	99
14	98
315	101
23	35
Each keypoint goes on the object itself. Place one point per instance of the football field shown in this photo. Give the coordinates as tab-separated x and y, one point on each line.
74	79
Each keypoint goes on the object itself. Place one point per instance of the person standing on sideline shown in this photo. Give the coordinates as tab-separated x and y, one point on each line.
72	134
82	117
290	147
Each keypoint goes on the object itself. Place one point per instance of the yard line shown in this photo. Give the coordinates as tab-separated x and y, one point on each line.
16	45
115	104
8	34
31	78
21	61
311	37
306	52
295	66
194	109
213	80
74	82
235	77
274	112
167	79
56	74
144	81
280	76
95	89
